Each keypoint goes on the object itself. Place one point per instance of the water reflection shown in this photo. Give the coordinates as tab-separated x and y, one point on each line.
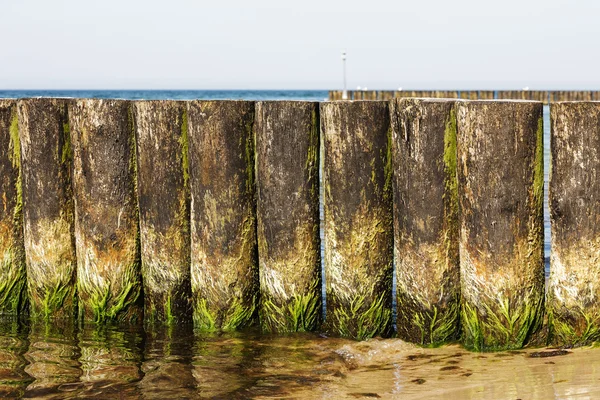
13	345
225	366
53	360
167	365
111	359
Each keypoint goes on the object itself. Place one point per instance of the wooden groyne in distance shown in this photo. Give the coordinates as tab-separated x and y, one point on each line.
48	209
500	186
109	280
224	259
426	220
164	203
13	275
358	218
289	245
545	96
574	303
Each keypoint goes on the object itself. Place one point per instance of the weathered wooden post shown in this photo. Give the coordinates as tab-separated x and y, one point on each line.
426	220
223	222
289	246
13	275
48	210
574	286
500	186
163	192
358	217
106	217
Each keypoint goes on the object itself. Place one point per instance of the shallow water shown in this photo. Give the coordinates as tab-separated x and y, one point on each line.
47	362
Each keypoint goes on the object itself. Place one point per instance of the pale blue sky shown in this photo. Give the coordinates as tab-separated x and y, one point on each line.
277	44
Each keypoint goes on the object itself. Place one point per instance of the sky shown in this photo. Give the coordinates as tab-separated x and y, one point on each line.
279	44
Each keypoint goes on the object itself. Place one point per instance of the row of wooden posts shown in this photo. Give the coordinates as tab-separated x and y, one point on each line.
545	96
166	211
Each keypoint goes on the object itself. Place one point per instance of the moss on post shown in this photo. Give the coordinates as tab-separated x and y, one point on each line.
358	218
287	169
224	264
500	177
106	220
574	286
426	220
13	275
163	191
48	210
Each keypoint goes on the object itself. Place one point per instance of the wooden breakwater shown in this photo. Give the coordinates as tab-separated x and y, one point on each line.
545	96
167	211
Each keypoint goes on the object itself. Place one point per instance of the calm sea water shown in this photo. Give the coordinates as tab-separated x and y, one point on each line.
136	362
312	95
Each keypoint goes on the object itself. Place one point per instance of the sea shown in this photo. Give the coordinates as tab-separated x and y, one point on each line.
45	361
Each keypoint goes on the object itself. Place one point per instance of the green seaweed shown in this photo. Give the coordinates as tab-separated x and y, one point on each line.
576	328
538	176
160	309
14	149
388	168
301	313
67	150
107	307
13	296
503	327
450	160
437	325
235	316
362	320
53	300
13	299
169	317
184	143
312	158
248	144
204	319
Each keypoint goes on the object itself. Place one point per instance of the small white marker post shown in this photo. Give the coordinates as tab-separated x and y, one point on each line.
345	92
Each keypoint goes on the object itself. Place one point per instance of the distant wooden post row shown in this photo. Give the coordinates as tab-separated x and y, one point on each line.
545	96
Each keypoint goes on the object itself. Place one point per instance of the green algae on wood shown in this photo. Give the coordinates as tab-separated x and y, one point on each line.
224	260
163	192
48	210
287	171
13	275
500	186
358	218
109	281
574	285
426	220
